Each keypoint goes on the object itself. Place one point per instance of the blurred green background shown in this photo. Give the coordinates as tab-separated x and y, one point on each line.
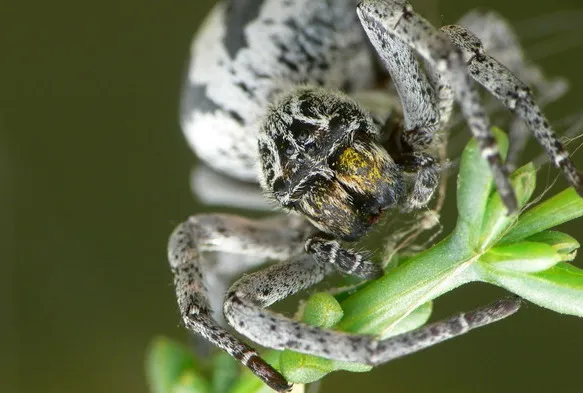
94	176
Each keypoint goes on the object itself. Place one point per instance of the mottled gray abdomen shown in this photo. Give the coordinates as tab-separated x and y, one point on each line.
249	51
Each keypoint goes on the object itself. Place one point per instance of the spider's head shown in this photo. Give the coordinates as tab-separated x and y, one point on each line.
319	157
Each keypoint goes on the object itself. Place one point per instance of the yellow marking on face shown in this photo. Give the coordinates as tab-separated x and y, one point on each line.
360	170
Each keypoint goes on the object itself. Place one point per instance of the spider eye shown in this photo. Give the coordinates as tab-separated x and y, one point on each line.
287	148
301	130
302	136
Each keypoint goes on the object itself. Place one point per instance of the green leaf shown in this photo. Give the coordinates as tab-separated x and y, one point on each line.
322	310
496	219
559	288
191	382
565	206
302	368
417	318
474	186
226	370
377	308
172	368
527	257
564	244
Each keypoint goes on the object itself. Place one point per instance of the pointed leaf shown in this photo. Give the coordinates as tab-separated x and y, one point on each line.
528	257
322	310
564	244
559	288
563	207
474	185
416	319
496	219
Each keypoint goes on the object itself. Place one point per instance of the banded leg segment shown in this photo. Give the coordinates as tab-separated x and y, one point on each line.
382	18
515	95
328	251
248	297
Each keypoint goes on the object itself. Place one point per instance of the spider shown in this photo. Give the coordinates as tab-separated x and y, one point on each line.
287	93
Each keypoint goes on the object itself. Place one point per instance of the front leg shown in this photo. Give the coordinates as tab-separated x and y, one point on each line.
382	19
515	95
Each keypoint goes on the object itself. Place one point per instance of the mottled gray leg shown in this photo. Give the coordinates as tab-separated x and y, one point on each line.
444	94
276	238
501	41
515	95
420	113
248	297
425	172
420	121
396	17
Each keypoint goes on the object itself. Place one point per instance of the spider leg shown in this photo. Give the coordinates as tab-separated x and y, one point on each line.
245	309
420	113
426	177
515	95
501	42
381	19
328	251
421	117
276	238
444	94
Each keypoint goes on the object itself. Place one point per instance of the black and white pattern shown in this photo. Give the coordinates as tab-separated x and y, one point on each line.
287	93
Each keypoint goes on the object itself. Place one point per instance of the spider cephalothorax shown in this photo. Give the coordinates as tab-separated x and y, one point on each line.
285	92
320	157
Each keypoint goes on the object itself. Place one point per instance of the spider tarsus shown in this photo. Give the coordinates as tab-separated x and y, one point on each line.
268	374
495	311
506	192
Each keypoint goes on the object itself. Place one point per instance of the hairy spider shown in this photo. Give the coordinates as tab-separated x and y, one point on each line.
287	93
